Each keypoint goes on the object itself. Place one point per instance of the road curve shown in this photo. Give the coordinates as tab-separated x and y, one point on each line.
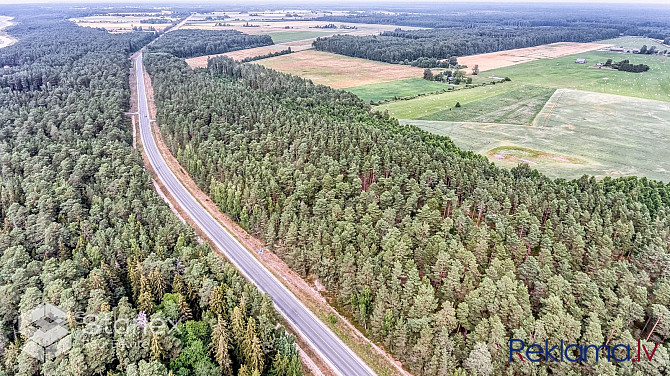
322	340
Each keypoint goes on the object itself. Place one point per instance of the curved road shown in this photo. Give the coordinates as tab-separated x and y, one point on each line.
326	344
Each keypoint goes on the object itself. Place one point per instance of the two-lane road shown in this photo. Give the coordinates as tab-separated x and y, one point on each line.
323	341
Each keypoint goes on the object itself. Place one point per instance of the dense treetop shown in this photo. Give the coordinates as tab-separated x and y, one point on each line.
650	20
441	256
406	46
82	228
195	42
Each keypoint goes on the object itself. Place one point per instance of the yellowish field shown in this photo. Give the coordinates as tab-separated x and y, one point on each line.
266	27
201	61
339	71
299	45
501	59
277	15
123	23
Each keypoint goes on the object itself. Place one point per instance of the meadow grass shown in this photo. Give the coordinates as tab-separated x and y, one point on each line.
576	133
424	106
633	42
397	89
516	106
290	36
563	72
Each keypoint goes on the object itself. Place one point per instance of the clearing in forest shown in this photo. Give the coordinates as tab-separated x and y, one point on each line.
6	39
339	71
301	45
123	23
501	59
297	33
287	30
577	132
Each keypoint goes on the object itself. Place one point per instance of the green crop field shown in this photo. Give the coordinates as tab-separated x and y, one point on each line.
397	89
290	36
549	73
634	42
576	133
563	72
516	106
427	105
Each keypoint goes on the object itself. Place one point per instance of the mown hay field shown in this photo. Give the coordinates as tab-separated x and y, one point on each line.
577	132
339	71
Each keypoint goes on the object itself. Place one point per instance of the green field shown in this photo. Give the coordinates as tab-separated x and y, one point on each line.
576	133
516	106
551	74
424	106
290	36
397	89
563	72
634	42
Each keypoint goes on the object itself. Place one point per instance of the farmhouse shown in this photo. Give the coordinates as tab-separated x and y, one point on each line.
580	61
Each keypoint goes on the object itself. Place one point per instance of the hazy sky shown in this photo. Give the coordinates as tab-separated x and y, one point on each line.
335	2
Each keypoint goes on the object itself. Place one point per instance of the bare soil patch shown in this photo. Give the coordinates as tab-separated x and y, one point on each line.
531	156
523	55
339	71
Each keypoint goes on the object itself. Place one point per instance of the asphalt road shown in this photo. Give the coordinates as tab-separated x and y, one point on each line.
322	340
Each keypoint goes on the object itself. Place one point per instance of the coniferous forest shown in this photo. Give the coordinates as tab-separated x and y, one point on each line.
467	29
407	46
82	228
190	43
439	255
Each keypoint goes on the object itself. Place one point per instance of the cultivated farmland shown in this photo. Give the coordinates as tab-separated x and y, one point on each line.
123	23
421	107
516	106
564	73
501	59
631	42
397	89
576	133
339	71
301	45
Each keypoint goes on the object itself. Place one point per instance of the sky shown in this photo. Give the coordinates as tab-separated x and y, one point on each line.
325	2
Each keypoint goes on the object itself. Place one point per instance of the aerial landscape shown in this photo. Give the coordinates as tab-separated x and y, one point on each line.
339	189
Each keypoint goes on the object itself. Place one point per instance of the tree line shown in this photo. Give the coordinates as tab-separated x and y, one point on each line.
649	21
82	228
626	66
194	42
438	254
416	47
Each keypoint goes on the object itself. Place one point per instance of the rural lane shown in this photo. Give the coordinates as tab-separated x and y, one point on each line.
322	340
